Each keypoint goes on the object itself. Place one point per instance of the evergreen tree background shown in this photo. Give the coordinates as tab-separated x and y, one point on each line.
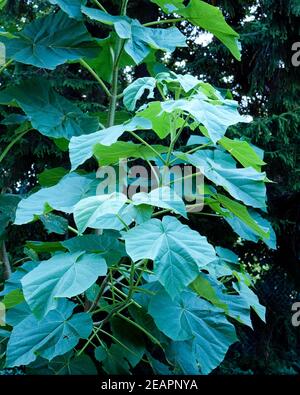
267	86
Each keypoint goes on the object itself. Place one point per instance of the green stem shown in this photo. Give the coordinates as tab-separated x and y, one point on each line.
101	324
185	178
194	150
147	145
154	172
115	75
73	230
161	92
99	5
100	293
154	340
164	21
96	76
174	141
161	213
117	341
122	221
207	214
198	148
124	7
6	65
12	143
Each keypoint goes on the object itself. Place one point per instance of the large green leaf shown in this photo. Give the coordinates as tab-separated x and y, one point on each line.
122	150
178	251
237	306
103	64
251	299
162	122
51	177
240	225
50	41
131	337
49	113
225	264
54	335
113	359
180	354
243	152
140	40
175	82
81	148
136	90
190	318
45	246
65	365
163	197
216	117
99	211
207	17
214	291
127	352
63	276
242	213
246	185
17	314
13	298
62	197
106	244
71	7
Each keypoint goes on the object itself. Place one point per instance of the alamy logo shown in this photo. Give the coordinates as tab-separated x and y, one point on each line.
296	316
166	184
296	55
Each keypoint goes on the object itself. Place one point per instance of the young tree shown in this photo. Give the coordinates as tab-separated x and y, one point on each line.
128	283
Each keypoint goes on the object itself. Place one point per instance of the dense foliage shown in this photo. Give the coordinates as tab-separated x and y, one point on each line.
145	289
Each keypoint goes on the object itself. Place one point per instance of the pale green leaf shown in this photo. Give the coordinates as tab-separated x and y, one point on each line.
62	197
246	185
242	213
136	90
139	40
163	197
214	291
216	117
190	318
98	212
50	113
63	276
71	7
82	147
177	251
56	334
241	226
50	41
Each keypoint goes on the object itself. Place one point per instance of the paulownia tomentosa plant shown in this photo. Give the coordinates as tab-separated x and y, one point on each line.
129	283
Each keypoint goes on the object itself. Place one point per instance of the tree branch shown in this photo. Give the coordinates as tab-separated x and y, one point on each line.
5	260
